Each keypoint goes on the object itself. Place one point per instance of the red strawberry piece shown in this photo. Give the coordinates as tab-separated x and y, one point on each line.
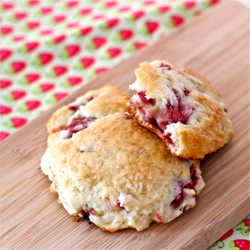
20	15
227	235
87	62
32	77
111	4
59	18
30	46
7	6
45	87
126	34
113	52
18	66
4	110
72	4
189	4
177	20
6	30
60	96
5	84
18	94
212	2
73	81
33	2
46	10
60	70
3	135
85	11
164	8
59	39
111	23
242	244
152	26
139	45
18	38
33	25
99	41
46	32
159	218
32	104
18	122
72	50
100	70
85	31
4	54
45	58
138	14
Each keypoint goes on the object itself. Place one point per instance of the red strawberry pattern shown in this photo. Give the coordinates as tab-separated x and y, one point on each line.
32	104
20	15
126	34
7	6
45	87
6	30
99	41
5	84
3	135
60	96
111	23
74	80
18	122
60	70
16	95
5	54
177	20
87	62
72	50
45	58
30	46
114	52
4	110
18	66
151	26
239	244
32	77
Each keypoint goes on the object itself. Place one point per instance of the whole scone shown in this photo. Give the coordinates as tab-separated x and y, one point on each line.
118	174
181	107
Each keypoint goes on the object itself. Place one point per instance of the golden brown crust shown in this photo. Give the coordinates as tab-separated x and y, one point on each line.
208	128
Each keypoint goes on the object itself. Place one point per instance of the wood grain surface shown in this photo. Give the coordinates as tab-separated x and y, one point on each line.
216	45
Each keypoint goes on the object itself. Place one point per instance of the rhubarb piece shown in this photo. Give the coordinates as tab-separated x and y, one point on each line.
181	107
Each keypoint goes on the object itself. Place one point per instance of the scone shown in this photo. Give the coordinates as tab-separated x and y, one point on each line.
181	107
84	111
118	174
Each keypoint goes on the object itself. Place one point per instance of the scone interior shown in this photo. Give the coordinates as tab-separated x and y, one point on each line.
181	107
118	175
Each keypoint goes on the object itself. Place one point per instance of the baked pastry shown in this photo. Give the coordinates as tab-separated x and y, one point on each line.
80	114
181	107
118	174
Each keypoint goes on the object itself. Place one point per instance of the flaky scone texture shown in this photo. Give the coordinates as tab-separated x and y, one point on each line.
84	111
121	175
181	107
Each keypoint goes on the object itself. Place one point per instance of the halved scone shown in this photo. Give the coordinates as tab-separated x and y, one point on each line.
181	107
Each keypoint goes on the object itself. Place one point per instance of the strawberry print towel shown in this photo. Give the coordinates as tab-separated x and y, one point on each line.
48	48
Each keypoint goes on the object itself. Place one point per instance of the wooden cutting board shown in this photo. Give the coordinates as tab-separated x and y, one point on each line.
216	45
